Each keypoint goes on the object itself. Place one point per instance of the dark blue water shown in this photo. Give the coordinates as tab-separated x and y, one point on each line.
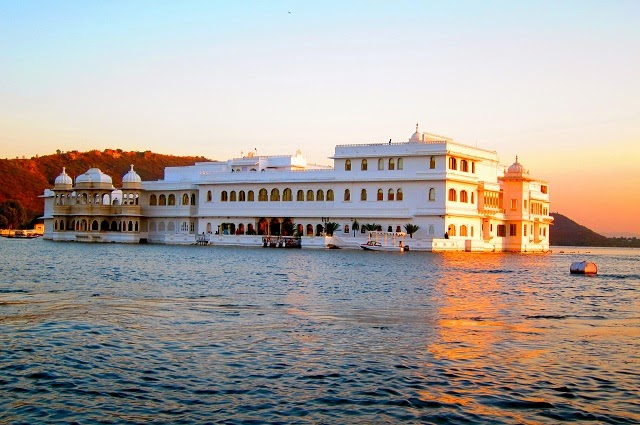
94	333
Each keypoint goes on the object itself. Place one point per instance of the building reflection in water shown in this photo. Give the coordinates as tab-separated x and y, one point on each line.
482	341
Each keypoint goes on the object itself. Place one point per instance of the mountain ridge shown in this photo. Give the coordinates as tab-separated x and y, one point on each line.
25	179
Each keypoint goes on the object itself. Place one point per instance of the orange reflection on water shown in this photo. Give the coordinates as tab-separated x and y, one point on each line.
476	335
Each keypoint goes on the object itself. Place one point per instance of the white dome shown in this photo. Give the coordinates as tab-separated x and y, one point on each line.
63	179
131	180
516	168
416	137
131	177
94	176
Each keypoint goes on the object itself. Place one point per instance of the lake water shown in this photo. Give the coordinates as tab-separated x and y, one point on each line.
96	333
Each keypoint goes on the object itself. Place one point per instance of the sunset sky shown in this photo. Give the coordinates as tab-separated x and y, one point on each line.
556	83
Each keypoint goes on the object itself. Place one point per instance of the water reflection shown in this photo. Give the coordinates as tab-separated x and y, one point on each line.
194	334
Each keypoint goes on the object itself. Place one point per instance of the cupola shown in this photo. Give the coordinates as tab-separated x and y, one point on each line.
131	180
93	178
63	181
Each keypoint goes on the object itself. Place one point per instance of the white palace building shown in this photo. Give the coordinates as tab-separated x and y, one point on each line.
459	196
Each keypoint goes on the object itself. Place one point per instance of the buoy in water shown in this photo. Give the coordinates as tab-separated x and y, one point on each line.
584	267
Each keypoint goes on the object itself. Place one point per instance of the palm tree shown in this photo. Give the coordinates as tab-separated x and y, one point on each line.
288	227
355	227
411	229
371	227
331	227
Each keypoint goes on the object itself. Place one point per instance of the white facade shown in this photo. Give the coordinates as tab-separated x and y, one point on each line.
458	195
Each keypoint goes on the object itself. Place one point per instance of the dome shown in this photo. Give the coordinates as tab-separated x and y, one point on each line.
94	178
63	181
131	179
416	136
517	168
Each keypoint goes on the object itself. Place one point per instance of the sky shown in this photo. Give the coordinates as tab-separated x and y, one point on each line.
555	82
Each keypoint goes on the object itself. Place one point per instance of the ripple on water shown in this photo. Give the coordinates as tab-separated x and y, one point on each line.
250	335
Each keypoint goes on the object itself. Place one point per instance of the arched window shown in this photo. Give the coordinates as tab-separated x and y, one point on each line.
152	226
400	164
363	195
464	196
309	229
347	165
463	230
363	165
472	197
392	164
153	200
453	163
300	196
55	225
193	199
275	195
185	199
473	170
232	196
172	199
250	196
224	196
390	195
286	195
319	195
451	230
380	195
380	164
330	195
242	196
432	194
389	229
94	225
136	226
346	228
432	230
262	195
464	166
130	226
162	200
114	226
161	227
309	195
209	196
171	227
432	163
104	226
399	194
453	196
347	195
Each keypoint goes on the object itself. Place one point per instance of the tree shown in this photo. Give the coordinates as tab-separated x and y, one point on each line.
288	227
411	229
13	212
355	227
372	227
331	227
3	222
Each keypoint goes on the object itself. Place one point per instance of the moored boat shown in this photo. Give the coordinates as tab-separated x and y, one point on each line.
385	241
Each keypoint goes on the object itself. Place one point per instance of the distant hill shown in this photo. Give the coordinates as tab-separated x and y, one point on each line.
566	232
25	179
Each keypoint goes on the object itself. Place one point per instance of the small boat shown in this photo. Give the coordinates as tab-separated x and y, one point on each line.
385	241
